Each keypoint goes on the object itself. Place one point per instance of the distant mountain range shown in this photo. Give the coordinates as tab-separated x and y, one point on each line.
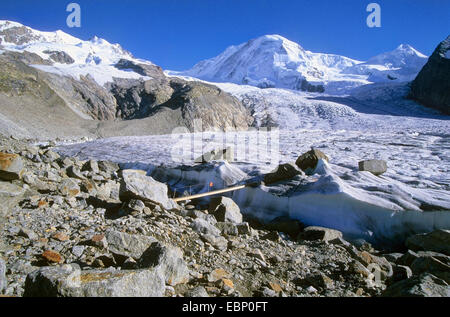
274	61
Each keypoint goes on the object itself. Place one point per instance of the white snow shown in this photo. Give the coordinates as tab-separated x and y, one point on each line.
274	61
96	57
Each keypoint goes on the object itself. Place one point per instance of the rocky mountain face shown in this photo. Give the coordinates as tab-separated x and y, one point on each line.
46	91
432	85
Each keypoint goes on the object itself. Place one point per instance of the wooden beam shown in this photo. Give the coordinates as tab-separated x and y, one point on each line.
220	191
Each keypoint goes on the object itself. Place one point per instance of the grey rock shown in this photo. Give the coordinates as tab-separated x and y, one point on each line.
201	226
286	225
91	166
10	195
225	210
433	266
400	273
50	156
228	228
308	161
137	185
408	258
74	172
128	245
169	260
70	281
60	57
376	167
320	233
29	234
78	250
437	241
11	167
244	228
425	285
216	241
108	167
198	291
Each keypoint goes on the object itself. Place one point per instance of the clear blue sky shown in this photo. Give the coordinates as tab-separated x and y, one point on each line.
176	34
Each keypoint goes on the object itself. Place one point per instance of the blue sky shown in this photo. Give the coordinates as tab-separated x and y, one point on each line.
176	34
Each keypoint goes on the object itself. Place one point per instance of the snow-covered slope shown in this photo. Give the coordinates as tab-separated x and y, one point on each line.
96	57
274	61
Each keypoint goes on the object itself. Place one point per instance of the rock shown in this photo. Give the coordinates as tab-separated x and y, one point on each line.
10	195
283	172
225	210
319	281
272	236
60	236
376	167
308	161
437	241
217	275
198	291
216	241
52	257
91	166
70	281
29	234
108	167
433	266
244	228
89	187
376	262
11	167
59	57
3	280
78	250
50	156
137	185
75	172
128	245
200	225
425	285
68	187
286	225
408	258
431	86
319	233
169	260
400	273
217	155
228	228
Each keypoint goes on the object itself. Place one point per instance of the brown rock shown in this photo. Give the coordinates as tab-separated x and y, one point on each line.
52	257
60	236
11	167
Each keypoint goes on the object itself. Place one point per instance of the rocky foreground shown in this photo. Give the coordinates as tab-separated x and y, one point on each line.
74	228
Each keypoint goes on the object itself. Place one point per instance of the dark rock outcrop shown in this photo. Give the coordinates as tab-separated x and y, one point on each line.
432	86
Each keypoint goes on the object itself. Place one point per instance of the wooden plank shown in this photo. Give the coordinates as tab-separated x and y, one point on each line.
220	191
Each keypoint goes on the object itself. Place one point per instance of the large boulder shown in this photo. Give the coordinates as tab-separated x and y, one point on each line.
70	281
225	210
169	260
308	161
136	184
432	85
11	167
437	241
128	245
376	167
283	172
425	285
320	233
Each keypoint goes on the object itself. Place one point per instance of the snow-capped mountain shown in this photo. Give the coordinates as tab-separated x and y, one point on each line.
274	61
96	57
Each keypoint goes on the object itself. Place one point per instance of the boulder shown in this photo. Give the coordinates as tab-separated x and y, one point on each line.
425	285
437	241
226	154
167	259
225	210
10	195
308	161
319	233
11	167
70	281
286	225
69	187
202	226
376	167
400	273
128	245
137	185
283	172
432	85
431	265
